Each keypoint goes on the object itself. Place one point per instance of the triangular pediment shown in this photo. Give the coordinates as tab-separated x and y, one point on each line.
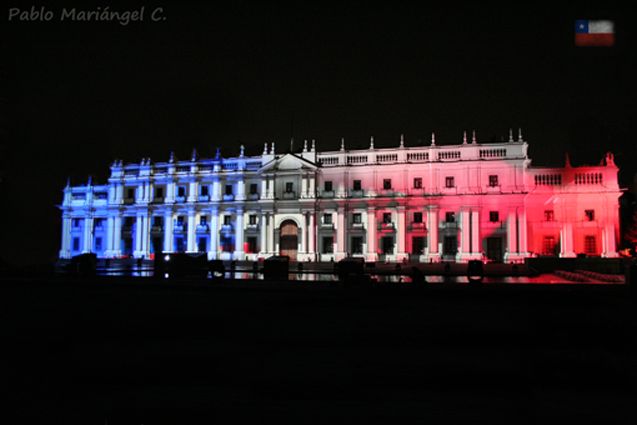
288	162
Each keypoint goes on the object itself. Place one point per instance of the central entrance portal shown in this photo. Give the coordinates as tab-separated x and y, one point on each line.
289	239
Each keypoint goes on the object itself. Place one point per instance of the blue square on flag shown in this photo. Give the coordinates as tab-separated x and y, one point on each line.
594	33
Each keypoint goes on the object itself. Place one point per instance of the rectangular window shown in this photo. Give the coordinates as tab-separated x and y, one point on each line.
289	187
548	215
204	190
590	245
386	184
202	244
76	244
450	182
98	244
328	186
130	193
418	183
158	221
418	244
327	218
548	245
357	245
328	245
494	216
386	218
98	222
227	220
252	219
590	215
417	217
252	245
253	188
129	221
493	181
159	192
450	217
76	222
357	218
203	220
228	189
181	191
357	185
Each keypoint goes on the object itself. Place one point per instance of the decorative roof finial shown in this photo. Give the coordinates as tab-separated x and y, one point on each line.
342	143
218	154
90	181
520	139
242	151
473	137
272	150
265	148
510	135
172	157
402	140
567	160
193	157
313	145
371	142
305	145
68	182
464	137
433	139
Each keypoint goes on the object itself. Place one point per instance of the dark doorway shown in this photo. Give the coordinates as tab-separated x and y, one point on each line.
289	239
494	249
387	244
450	245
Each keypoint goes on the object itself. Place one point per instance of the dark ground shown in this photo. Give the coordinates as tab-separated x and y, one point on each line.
146	352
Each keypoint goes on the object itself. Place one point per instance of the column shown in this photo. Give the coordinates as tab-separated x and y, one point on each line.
303	186
476	248
341	243
371	235
522	240
270	232
109	237
190	241
117	236
192	192
512	238
431	253
465	236
137	252
87	235
238	245
216	189
241	190
303	229
312	236
146	236
401	233
263	227
608	235
65	249
214	234
312	188
168	231
264	188
566	240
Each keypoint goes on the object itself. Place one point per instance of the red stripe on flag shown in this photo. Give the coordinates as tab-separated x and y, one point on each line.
585	40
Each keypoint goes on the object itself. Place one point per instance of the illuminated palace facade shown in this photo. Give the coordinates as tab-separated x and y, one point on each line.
427	203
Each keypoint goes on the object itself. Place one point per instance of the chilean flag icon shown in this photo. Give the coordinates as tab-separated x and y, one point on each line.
594	33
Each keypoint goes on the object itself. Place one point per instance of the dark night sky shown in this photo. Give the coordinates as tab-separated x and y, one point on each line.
78	95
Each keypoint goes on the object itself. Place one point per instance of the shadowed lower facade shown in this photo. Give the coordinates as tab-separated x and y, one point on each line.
427	203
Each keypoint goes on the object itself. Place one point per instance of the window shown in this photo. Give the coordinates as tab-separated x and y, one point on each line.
590	215
386	184
357	245
494	216
328	245
252	219
328	186
548	215
228	189
327	218
418	244
450	217
98	222
493	181
180	221
203	220
76	244
417	217
253	188
357	218
450	182
76	222
227	220
202	244
129	221
159	192
289	187
386	218
158	221
357	185
418	183
590	247
548	245
130	193
181	191
204	190
98	244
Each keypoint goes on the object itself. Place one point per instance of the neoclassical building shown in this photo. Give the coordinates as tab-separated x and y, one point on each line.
427	203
